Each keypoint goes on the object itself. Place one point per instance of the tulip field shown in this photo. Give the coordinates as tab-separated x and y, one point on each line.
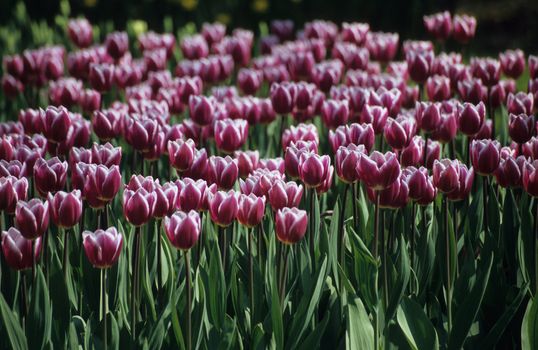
326	186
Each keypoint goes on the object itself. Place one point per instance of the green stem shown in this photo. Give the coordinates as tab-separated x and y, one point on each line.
341	230
188	306
65	261
376	257
104	306
354	194
159	256
485	200
448	270
283	277
251	279
33	261
134	282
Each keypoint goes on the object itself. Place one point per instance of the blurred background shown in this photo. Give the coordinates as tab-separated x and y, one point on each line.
502	24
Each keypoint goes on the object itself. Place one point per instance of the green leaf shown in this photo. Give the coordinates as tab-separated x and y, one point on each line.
38	324
416	326
359	332
398	289
468	310
529	326
276	318
313	339
11	327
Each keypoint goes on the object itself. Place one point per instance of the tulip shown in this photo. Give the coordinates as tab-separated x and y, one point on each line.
520	103
33	120
399	132
80	32
301	132
223	171
419	65
510	171
472	90
251	210
32	218
530	178
12	190
512	63
230	134
56	124
485	131
102	185
201	109
183	229
485	156
486	69
378	170
107	124
79	155
12	168
65	208
138	206
290	225
17	250
395	196
102	247
438	88
313	169
199	167
223	207
428	116
259	182
49	175
465	184
117	44
439	25
106	154
471	117
142	134
464	28
285	195
101	77
376	116
247	162
335	113
421	188
249	80
447	129
11	86
273	164
346	159
521	127
181	154
282	98
191	194
166	197
446	175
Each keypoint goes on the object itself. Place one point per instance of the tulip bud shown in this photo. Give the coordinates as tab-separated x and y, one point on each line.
471	117
446	175
181	154
510	171
520	103
166	197
285	195
439	25
223	207
56	124
138	206
65	208
199	167
273	164
247	162
223	171
32	218
438	88
465	183
80	32
464	28
378	170
521	127
376	116
107	124
183	229
421	188
485	156
50	175
12	168
117	44
399	132
191	194
102	248
230	134
346	160
201	109
251	210
17	250
419	65
12	190
512	63
335	113
101	77
106	154
486	69
282	98
313	169
290	225
447	129
428	116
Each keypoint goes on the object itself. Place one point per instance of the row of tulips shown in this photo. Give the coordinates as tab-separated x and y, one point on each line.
271	248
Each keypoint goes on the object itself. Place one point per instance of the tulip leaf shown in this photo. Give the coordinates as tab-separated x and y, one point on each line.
398	289
39	322
11	328
312	341
359	332
416	326
276	318
529	326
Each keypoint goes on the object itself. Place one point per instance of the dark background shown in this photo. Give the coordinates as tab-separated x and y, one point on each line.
501	23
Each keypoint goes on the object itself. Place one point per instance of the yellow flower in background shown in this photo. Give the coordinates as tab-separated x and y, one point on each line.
139	26
260	5
189	5
223	18
90	3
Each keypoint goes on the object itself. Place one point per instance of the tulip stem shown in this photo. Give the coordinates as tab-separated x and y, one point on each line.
159	257
312	231
188	306
24	296
354	193
491	114
485	199
65	262
376	308
261	237
425	151
104	306
448	271
283	276
134	282
412	241
534	246
222	239
283	123
341	241
251	279
33	261
46	255
202	239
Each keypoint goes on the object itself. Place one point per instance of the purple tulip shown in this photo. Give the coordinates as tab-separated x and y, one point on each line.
378	170
17	250
32	218
65	208
290	225
50	175
485	156
138	206
102	247
223	207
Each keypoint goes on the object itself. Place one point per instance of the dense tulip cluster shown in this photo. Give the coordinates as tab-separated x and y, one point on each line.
183	153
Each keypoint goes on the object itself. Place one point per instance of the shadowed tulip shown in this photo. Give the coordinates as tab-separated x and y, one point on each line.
471	117
399	132
223	207
378	170
530	178
49	175
465	184
166	197
247	162
117	44
512	63
183	229
32	218
17	250
181	154
102	247
464	28
510	171
251	210
290	225
485	156
56	124
393	197
446	175
439	25
521	127
138	206
65	208
421	188
12	190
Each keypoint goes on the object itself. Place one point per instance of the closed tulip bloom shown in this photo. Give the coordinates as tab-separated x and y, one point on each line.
6	148
464	28
201	109
510	171
446	175
247	162
485	156
399	132
282	98
530	178
413	154
512	63
290	225
301	132
419	65
421	188
106	154
11	86
376	116
80	32
79	155
117	44
102	247
313	169
346	160
439	25
486	69
181	154
33	120
447	129
17	250
361	134
285	195
438	88
230	134
223	171
470	117
101	77
56	124
485	130
465	184
138	206
428	115
378	170
12	168
166	197
32	218
50	175
249	80
251	210
393	197
335	113
191	194
199	167
102	185
273	164
107	124
520	103
65	208
472	90
223	207
530	148
183	229
521	127
12	190
140	181
142	134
